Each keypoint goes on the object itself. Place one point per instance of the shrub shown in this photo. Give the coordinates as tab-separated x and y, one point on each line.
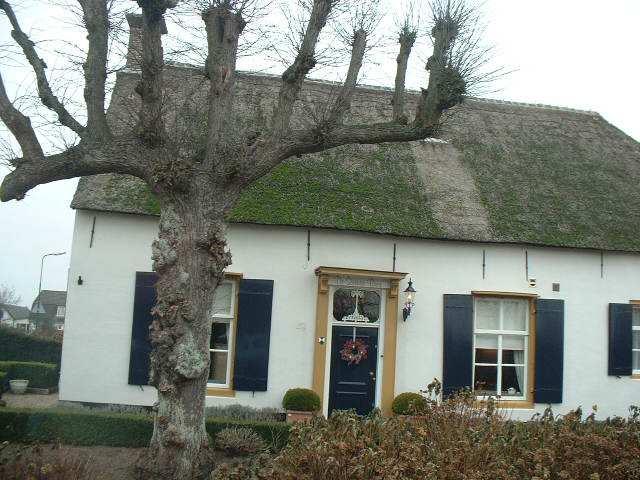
240	412
239	441
302	400
31	463
247	468
77	427
18	346
40	375
461	439
409	404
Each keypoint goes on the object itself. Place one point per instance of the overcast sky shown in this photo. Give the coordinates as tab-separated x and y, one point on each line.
573	53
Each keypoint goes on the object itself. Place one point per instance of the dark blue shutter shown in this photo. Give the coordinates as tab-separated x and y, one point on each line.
549	356
457	372
620	342
251	366
143	302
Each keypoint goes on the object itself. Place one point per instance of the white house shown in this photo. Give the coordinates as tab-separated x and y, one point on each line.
15	316
520	231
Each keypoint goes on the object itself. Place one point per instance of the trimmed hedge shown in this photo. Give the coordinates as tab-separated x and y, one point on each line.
112	430
301	400
409	403
40	375
17	346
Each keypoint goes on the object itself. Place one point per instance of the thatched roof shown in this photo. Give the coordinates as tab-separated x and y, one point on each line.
504	172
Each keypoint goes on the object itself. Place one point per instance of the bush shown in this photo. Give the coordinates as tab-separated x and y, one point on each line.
461	439
240	412
239	441
302	400
18	346
409	404
109	429
40	375
32	463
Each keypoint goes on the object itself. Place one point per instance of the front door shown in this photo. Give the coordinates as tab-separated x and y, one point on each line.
354	357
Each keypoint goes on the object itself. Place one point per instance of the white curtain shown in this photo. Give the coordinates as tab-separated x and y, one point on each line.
518	357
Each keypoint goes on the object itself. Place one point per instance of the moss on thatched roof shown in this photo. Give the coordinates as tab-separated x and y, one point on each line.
504	172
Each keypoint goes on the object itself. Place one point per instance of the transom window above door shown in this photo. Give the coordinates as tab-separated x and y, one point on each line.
221	343
501	345
353	305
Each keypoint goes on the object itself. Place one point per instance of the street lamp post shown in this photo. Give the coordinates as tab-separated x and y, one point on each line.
42	265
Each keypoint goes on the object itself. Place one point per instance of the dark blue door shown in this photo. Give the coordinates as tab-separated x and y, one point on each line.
353	382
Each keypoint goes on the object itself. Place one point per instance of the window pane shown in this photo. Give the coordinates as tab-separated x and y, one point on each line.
344	305
636	339
486	348
513	381
218	368
487	314
513	349
222	300
515	315
485	380
636	360
219	336
636	317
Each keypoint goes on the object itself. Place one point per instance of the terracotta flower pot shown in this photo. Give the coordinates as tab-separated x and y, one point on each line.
294	416
18	386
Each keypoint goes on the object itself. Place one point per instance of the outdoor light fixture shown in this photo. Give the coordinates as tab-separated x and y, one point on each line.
409	300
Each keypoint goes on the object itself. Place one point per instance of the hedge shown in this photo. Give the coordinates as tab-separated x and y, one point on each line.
109	429
40	375
17	346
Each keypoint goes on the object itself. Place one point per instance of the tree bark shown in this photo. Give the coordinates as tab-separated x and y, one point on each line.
189	256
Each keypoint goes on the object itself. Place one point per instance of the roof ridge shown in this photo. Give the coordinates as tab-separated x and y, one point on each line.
380	88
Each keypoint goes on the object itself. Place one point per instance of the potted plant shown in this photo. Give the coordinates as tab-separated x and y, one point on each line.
301	404
18	386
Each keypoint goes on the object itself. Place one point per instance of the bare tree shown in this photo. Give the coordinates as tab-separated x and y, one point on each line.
197	186
8	295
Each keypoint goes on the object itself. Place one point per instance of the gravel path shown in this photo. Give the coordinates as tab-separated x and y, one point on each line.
30	400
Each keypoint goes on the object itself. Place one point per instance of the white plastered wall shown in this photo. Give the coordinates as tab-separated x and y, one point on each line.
95	359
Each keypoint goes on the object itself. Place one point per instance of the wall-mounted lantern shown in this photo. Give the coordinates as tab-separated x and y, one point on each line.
409	300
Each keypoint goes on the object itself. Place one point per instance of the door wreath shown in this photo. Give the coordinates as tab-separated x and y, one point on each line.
354	351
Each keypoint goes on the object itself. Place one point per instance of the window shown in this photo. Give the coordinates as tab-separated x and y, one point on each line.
221	343
60	312
635	362
501	347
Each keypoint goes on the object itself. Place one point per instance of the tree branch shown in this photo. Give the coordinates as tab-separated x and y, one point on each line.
294	76
20	126
44	89
125	155
96	21
407	39
151	126
224	28
343	102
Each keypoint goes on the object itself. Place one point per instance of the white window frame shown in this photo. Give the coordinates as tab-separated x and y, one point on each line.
500	333
634	328
230	319
63	309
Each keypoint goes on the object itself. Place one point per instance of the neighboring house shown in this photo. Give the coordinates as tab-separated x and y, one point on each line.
15	316
49	309
520	232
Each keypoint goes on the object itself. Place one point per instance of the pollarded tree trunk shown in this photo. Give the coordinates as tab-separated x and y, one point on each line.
189	256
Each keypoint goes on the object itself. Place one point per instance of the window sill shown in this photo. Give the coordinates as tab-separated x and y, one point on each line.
220	392
510	404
